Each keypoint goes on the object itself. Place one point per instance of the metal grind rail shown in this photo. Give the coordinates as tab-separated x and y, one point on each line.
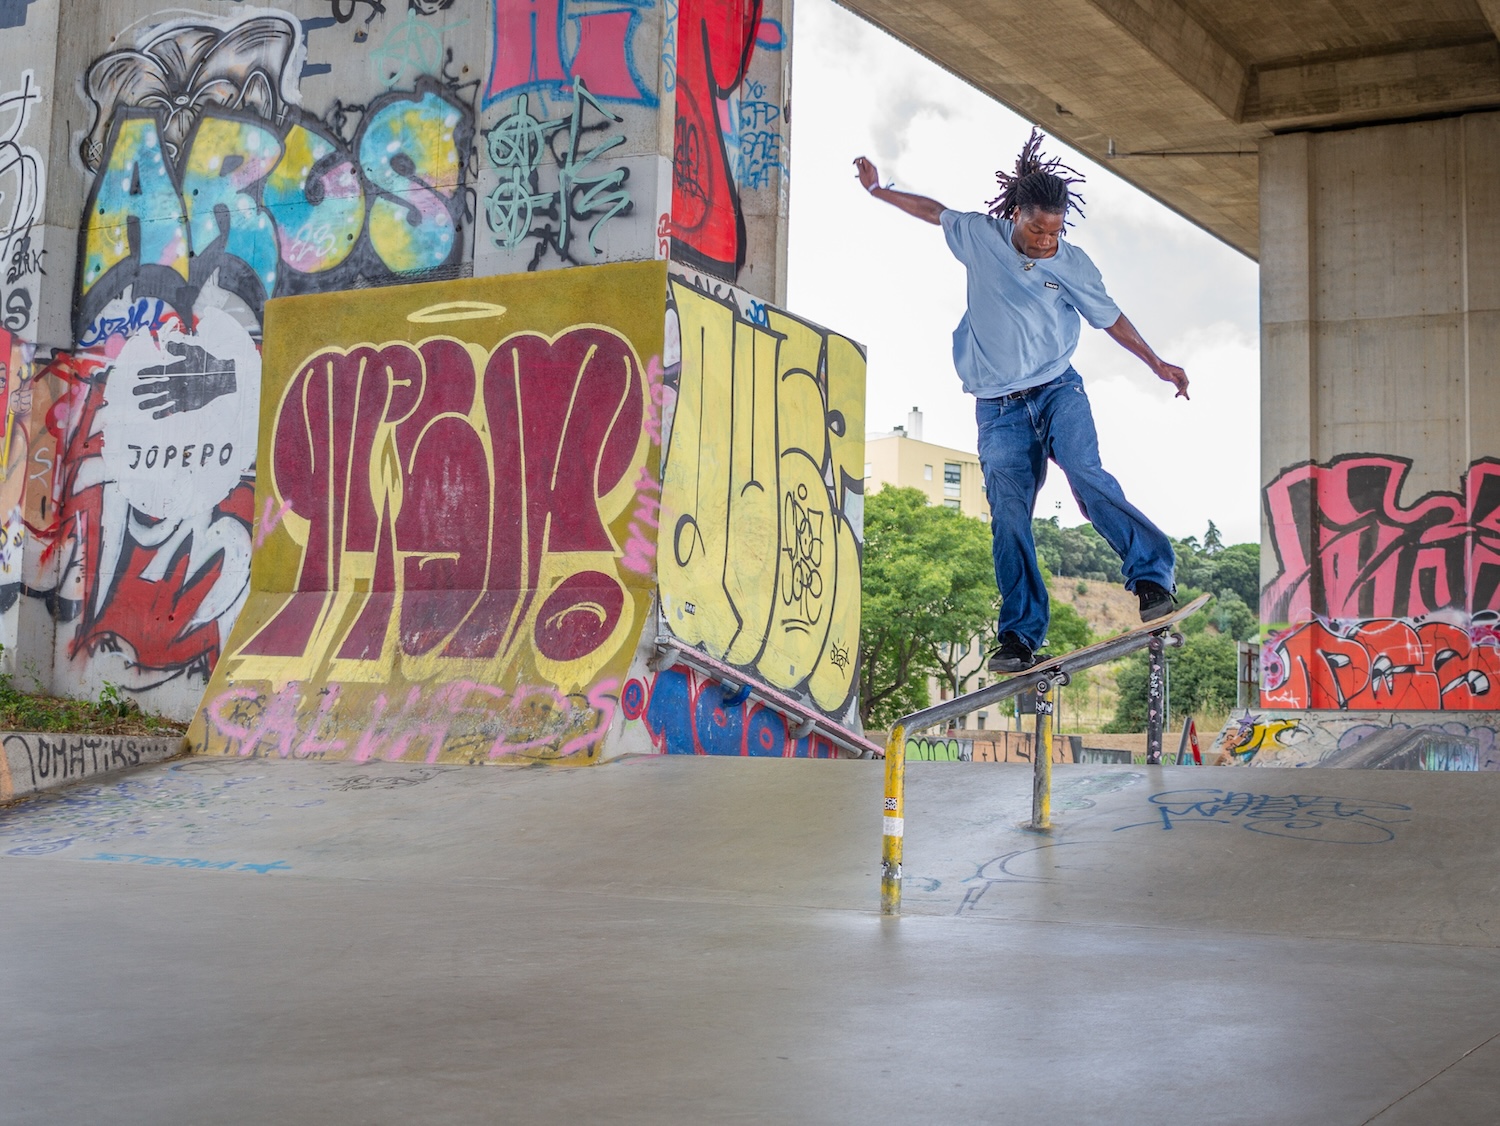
1153	637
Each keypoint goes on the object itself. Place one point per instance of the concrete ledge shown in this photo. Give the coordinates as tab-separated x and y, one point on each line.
31	762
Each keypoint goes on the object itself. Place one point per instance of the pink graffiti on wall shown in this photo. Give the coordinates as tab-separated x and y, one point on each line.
458	720
1348	548
545	44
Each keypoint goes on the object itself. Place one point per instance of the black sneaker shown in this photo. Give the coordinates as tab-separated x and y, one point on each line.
1156	600
1011	655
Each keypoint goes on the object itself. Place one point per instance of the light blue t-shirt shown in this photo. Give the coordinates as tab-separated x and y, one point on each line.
1021	326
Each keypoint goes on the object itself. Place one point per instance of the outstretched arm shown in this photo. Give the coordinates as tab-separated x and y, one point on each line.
929	210
1128	338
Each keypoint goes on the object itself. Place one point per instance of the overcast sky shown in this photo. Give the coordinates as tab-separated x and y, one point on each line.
862	268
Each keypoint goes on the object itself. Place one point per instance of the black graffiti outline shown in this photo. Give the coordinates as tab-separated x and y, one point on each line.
25	211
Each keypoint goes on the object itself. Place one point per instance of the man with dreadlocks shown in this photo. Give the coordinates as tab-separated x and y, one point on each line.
1013	351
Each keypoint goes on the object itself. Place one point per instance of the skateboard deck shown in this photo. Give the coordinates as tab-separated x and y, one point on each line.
1017	682
1110	647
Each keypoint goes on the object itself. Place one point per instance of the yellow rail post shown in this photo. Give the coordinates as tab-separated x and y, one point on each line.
1041	773
894	825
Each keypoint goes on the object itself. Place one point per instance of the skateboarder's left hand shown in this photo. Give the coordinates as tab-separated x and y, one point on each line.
1173	375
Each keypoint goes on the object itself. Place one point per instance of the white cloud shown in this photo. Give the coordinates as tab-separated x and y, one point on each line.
864	269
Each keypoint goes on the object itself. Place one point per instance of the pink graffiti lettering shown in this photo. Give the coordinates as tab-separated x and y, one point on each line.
479	513
1349	549
546	44
269	520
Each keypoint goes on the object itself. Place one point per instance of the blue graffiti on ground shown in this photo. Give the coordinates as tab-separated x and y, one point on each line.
1301	817
131	809
189	862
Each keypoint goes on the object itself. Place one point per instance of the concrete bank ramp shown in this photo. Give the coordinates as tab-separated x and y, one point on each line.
685	940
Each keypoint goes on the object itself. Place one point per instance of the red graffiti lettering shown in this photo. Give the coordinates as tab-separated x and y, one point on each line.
544	45
453	495
1383	664
708	227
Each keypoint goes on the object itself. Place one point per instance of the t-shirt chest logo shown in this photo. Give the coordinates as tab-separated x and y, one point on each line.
1052	285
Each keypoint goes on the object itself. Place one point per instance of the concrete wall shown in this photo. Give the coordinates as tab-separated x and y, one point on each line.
1380	289
168	174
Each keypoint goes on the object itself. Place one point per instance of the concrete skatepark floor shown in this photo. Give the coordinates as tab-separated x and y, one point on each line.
697	940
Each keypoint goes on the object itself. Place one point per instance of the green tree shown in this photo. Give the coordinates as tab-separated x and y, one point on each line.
1079	552
1067	630
967	614
1213	543
928	582
1233	618
1237	568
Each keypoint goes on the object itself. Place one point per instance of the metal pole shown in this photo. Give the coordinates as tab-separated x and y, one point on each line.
1041	773
1156	693
894	825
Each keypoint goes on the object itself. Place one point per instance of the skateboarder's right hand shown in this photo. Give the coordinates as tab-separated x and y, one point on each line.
869	178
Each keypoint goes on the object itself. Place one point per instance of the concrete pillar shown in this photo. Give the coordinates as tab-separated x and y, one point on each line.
645	132
1380	291
166	174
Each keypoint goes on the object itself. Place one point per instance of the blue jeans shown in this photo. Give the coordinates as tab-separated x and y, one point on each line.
1017	435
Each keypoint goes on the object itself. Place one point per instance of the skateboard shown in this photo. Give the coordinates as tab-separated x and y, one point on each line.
1055	668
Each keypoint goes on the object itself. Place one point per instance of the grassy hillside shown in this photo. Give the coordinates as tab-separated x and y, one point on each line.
1109	609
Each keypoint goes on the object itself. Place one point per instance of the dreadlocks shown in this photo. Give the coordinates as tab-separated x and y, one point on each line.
1036	183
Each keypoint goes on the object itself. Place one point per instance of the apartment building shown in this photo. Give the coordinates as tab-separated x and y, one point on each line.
949	477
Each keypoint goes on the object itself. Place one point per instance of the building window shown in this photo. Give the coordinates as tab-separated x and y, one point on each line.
951	502
981	685
953	478
982	716
927	473
869	469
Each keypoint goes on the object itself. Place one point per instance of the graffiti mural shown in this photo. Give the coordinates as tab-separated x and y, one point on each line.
1384	663
22	189
1379	603
586	196
542	46
762	496
688	714
207	174
1347	547
445	577
715	41
1389	740
213	191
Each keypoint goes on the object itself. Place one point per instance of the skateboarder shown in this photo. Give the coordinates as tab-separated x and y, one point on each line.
1013	351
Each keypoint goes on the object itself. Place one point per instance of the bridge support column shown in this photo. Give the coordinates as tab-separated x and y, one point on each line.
1380	442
